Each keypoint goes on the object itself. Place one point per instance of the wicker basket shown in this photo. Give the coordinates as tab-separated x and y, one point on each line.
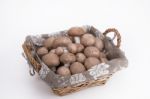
36	65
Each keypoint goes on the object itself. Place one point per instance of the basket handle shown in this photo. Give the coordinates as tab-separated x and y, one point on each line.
116	34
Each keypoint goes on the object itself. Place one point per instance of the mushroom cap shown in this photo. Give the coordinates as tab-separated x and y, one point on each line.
63	71
80	47
75	31
72	48
67	58
49	42
80	57
61	41
99	44
88	39
91	51
59	50
77	67
51	60
42	51
90	62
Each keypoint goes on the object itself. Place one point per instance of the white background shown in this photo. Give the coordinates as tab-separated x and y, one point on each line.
20	18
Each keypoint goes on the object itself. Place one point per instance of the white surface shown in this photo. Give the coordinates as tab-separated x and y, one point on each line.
19	18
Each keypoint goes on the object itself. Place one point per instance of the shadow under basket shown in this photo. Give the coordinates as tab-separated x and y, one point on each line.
96	76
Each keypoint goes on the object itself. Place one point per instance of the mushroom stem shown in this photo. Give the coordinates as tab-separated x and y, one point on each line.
65	50
66	65
77	39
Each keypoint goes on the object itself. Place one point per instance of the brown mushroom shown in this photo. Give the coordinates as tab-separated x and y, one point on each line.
92	51
51	60
80	57
42	51
61	41
49	42
76	32
72	48
90	62
80	47
63	71
59	50
77	67
67	58
88	39
99	44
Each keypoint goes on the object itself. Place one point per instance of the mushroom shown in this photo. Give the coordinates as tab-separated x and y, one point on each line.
88	39
90	62
59	51
80	47
77	67
42	51
99	44
49	42
80	57
76	32
72	48
92	51
67	58
61	41
51	60
63	71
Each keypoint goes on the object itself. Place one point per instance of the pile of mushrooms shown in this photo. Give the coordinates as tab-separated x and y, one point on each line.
72	54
